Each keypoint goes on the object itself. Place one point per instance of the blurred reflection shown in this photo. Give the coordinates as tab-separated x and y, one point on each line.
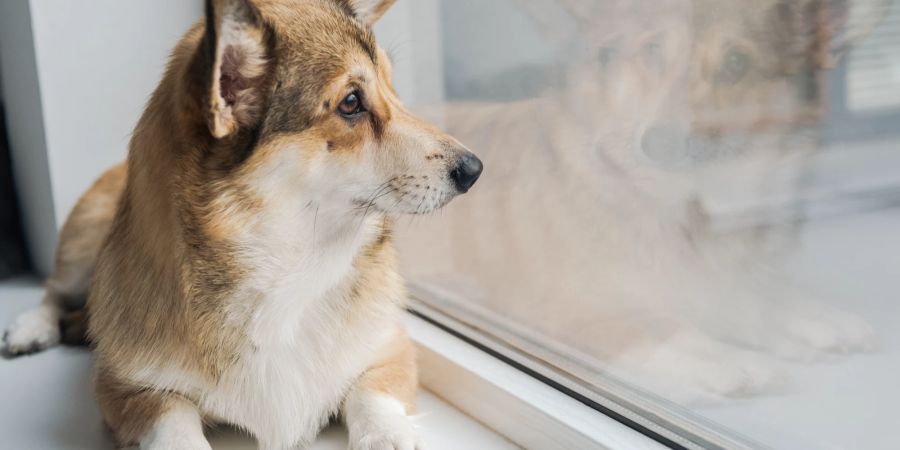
596	222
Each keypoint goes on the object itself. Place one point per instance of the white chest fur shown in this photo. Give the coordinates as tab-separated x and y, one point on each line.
309	337
282	391
307	343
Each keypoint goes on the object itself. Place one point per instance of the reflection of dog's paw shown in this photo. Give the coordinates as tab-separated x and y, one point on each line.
33	331
691	367
827	330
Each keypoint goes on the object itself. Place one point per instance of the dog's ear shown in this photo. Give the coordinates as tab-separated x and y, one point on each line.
846	23
238	56
368	11
827	29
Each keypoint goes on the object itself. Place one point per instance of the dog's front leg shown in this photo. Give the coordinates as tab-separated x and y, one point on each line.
378	407
179	427
154	420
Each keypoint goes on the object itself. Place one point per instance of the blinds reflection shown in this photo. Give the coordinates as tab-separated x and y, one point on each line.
874	69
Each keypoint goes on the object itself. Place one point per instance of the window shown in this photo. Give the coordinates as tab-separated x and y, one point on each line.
688	215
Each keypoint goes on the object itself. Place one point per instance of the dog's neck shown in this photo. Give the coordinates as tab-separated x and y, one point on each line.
314	230
304	261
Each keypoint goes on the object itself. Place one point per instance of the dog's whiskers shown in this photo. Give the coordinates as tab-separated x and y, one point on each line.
370	200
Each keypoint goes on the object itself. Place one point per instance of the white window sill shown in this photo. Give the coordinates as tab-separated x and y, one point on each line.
525	410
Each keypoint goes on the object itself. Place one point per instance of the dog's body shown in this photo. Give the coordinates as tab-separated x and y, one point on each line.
242	271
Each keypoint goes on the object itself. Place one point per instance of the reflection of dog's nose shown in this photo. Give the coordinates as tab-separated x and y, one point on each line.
466	172
664	145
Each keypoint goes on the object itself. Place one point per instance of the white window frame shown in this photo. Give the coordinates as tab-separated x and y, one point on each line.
526	411
515	388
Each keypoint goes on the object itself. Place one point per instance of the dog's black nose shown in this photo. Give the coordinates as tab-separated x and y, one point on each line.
466	172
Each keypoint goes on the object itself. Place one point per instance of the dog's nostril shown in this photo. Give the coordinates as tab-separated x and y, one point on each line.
466	172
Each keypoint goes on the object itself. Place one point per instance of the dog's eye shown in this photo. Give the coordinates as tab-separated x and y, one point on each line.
605	55
734	66
351	105
652	53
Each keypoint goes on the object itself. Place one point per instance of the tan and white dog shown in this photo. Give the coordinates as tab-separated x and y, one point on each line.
242	271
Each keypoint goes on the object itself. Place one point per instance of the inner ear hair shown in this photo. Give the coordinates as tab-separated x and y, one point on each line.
238	42
367	11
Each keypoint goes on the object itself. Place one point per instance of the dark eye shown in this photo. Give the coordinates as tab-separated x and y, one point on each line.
734	66
351	105
605	55
653	56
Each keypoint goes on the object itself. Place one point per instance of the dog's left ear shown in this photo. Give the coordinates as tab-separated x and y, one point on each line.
844	24
823	31
368	11
237	51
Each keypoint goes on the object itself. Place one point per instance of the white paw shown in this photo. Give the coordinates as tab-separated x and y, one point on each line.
694	368
828	330
395	433
381	423
173	443
33	331
178	429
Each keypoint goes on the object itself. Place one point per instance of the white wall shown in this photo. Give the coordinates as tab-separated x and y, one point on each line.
98	62
21	96
410	33
76	77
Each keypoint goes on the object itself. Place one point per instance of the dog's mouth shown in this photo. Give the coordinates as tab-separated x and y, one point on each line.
418	194
408	194
674	149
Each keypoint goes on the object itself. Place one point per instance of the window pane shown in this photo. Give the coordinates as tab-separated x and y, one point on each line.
695	200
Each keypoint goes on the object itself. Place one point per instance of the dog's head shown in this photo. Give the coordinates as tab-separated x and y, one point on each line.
754	75
297	97
689	81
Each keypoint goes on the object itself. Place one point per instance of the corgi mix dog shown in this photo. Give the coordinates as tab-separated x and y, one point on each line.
617	263
239	268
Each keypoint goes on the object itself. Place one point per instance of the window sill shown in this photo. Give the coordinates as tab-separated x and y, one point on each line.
525	410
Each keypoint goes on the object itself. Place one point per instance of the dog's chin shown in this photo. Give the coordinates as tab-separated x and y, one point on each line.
414	203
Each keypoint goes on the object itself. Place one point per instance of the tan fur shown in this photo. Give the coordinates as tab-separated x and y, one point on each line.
82	235
129	410
394	374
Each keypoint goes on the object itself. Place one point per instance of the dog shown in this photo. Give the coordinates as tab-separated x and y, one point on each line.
596	240
239	267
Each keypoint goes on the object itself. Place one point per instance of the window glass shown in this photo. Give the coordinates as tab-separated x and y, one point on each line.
691	201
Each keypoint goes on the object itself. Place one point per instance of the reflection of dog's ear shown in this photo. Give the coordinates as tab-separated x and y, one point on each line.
846	23
236	55
832	27
367	11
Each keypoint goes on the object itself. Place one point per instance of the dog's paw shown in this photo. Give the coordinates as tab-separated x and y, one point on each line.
381	423
824	329
178	429
395	434
33	331
173	443
176	445
694	368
